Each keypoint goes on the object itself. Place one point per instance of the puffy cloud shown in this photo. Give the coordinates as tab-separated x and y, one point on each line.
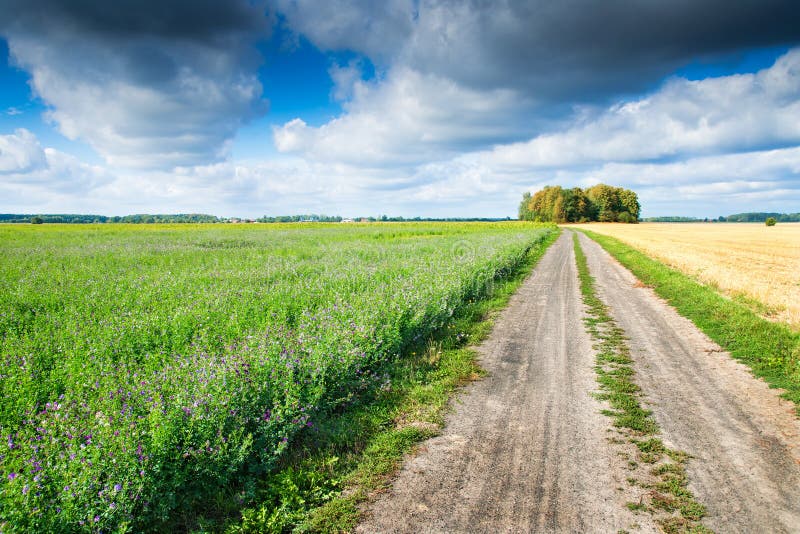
377	29
37	179
147	84
346	79
407	119
763	180
715	115
20	153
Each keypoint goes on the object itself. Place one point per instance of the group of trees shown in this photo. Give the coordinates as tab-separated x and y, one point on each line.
754	216
601	202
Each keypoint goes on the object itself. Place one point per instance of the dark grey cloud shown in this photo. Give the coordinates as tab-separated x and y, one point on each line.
146	83
378	29
200	20
555	51
581	48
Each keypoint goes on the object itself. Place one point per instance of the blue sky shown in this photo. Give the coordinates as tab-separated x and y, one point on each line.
406	107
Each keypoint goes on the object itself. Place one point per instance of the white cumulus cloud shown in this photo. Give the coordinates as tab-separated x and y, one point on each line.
21	153
406	119
144	89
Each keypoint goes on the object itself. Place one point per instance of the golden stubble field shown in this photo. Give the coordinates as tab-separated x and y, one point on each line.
748	259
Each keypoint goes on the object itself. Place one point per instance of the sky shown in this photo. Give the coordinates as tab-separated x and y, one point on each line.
432	108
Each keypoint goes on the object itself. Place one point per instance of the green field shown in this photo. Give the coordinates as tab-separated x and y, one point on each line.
145	367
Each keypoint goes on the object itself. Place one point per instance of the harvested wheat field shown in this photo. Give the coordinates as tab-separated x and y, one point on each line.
741	259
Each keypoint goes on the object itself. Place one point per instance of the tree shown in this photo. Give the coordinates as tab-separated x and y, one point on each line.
598	203
525	213
625	217
607	201
578	206
771	221
630	203
559	213
36	220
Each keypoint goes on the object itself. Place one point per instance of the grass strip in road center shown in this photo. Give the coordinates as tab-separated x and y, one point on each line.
657	469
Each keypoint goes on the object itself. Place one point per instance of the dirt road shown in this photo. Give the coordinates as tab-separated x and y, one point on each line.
527	450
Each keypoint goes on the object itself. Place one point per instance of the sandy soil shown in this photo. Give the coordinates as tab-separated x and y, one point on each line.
744	437
527	450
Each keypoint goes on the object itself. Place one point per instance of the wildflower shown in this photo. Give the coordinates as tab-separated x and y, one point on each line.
117	487
12	476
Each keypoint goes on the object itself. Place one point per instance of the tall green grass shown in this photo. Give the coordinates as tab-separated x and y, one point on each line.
144	368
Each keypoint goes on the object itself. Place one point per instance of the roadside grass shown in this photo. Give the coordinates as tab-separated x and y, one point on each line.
771	350
346	458
659	470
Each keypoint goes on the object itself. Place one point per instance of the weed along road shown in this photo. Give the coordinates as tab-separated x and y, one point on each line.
533	447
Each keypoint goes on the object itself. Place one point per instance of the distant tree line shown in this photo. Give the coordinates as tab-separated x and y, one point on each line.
738	217
673	219
601	202
762	217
